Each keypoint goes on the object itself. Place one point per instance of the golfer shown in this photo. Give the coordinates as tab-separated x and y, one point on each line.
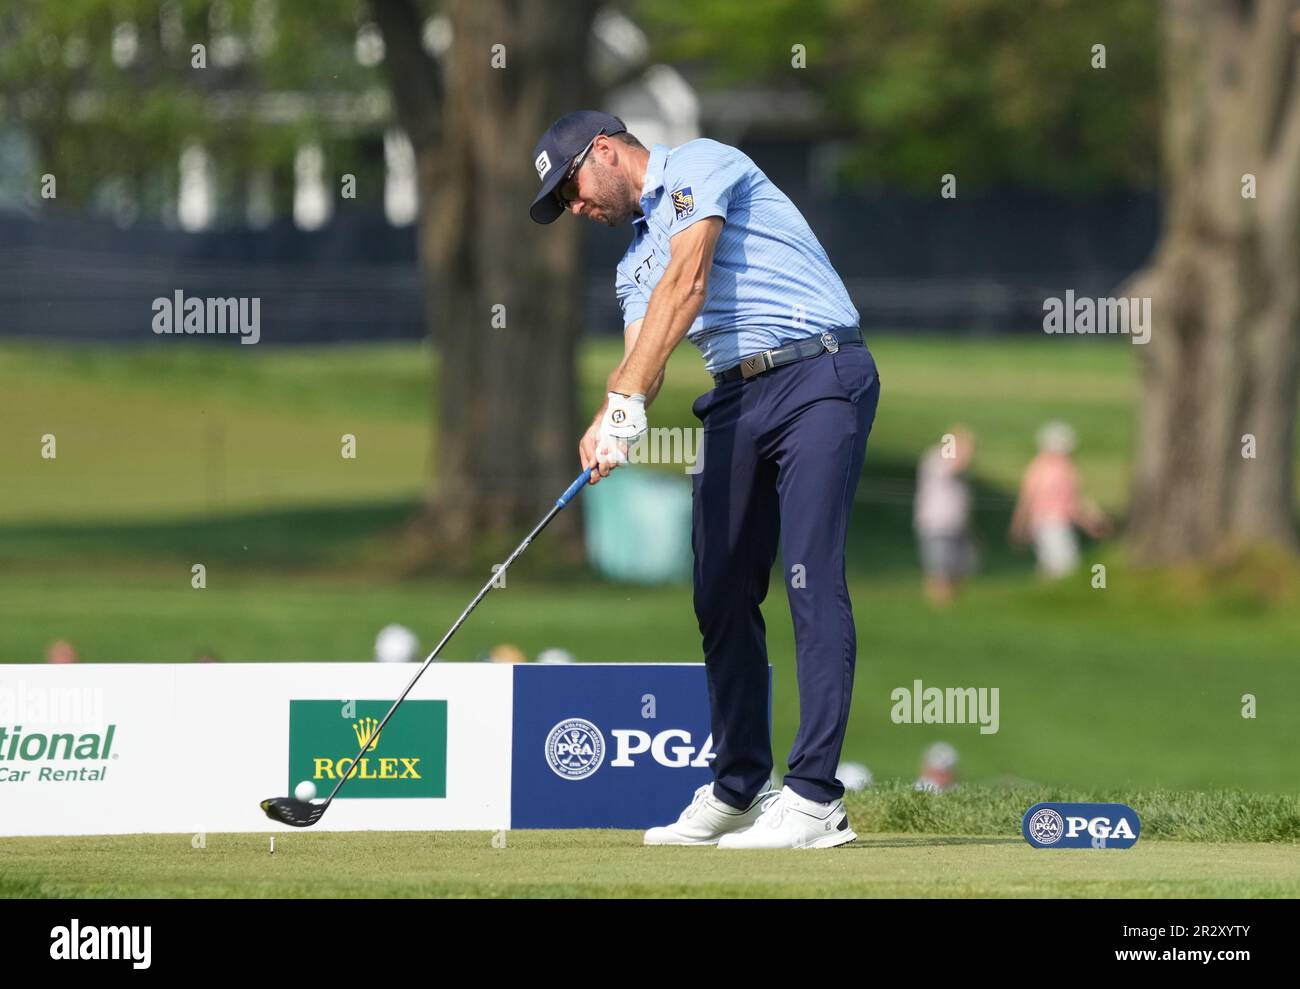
720	256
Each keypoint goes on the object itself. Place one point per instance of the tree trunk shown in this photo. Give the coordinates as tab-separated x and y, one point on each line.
1225	288
507	432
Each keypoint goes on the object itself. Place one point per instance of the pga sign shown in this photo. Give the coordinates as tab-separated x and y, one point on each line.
631	742
1081	826
575	748
609	745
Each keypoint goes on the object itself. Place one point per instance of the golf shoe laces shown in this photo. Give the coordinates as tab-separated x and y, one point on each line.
772	817
701	794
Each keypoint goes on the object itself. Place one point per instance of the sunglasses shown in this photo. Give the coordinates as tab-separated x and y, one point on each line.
566	201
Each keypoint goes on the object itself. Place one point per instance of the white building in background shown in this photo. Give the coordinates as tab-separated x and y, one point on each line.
401	195
658	105
194	205
659	108
369	45
126	44
313	201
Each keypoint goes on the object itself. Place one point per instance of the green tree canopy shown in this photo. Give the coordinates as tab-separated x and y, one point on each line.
108	91
995	91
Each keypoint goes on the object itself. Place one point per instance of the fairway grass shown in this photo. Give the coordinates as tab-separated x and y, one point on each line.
188	433
608	863
965	843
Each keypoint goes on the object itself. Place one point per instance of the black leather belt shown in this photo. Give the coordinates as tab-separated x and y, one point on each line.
826	342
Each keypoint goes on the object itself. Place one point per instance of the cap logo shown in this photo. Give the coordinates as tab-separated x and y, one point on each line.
542	164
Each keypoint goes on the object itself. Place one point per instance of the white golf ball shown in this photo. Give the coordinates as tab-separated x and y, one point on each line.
306	790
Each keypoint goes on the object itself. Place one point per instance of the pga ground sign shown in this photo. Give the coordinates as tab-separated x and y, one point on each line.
1081	825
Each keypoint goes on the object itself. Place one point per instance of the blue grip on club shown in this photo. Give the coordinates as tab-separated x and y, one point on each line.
575	487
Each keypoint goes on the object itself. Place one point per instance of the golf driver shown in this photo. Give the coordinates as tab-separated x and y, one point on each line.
302	813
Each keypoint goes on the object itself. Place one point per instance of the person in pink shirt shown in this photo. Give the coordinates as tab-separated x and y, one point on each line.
59	652
1052	503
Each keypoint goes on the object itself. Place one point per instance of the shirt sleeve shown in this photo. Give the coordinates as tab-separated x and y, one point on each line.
704	181
630	298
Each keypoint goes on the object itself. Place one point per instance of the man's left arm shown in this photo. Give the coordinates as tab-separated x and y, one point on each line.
674	304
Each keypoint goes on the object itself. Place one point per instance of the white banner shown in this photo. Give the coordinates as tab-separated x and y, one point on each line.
154	748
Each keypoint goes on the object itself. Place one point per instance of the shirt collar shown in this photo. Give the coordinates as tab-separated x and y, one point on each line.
654	177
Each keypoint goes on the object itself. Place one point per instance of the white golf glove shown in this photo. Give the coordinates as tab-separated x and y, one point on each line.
623	424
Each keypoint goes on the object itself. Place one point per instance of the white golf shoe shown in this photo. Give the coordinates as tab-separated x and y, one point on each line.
707	819
791	821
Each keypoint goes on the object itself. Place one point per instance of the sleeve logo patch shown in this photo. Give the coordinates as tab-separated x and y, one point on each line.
683	202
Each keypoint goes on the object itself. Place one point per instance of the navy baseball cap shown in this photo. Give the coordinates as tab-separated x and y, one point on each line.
563	141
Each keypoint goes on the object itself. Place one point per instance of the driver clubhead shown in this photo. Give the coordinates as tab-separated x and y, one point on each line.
295	813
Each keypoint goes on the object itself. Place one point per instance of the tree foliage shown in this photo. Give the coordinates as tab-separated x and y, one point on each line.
995	91
275	75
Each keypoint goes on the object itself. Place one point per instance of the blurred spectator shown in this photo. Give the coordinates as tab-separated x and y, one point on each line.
938	769
507	653
396	644
941	515
555	657
854	775
1052	503
60	651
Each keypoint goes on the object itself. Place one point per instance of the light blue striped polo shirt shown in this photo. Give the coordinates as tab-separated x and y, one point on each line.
771	282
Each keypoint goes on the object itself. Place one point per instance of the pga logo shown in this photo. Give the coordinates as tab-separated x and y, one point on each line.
630	742
1081	826
575	748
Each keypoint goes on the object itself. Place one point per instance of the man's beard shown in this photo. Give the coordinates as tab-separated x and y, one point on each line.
611	199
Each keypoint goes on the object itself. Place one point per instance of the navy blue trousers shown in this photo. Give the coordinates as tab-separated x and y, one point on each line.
781	458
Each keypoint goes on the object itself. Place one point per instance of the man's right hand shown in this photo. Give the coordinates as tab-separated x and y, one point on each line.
587	445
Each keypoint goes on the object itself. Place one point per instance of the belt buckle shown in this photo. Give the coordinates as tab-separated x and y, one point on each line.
755	364
831	344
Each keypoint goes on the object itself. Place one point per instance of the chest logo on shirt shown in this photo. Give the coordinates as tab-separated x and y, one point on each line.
683	202
642	272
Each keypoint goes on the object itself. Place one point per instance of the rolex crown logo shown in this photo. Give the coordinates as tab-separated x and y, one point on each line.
365	728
